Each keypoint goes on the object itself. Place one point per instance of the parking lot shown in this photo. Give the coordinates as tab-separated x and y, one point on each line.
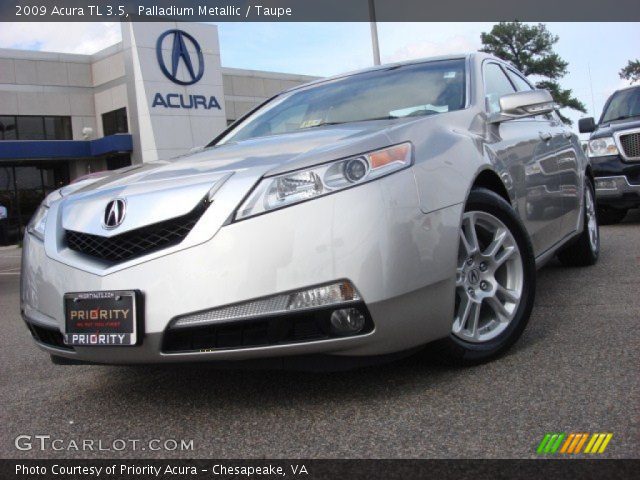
576	369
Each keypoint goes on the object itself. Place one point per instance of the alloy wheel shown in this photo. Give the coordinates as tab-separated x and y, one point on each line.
592	221
489	278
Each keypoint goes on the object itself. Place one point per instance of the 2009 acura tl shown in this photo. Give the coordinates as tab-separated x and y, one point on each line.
357	216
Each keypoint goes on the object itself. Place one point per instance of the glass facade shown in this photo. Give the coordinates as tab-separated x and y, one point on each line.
29	127
23	186
25	183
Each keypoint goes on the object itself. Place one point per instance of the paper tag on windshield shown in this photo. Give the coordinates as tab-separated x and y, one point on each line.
450	75
311	123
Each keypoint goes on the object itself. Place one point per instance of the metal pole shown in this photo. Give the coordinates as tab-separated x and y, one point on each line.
374	33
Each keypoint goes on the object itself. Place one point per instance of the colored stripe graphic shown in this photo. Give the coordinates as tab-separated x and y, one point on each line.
550	443
567	443
573	443
581	442
598	442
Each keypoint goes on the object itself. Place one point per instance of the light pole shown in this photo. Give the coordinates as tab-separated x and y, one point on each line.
374	33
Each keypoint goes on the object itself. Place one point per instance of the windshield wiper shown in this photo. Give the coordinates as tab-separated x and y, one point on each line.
372	119
323	124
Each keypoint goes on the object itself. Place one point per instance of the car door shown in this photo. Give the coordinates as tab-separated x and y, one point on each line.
563	146
571	176
524	155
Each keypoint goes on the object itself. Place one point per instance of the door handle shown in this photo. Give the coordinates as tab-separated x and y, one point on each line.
546	136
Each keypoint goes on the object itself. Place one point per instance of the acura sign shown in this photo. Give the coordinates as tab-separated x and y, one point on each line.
193	63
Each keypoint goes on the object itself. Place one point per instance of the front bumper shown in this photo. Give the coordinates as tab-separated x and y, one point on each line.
617	181
616	191
401	260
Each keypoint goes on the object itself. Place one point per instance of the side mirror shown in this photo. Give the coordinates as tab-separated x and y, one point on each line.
586	125
524	104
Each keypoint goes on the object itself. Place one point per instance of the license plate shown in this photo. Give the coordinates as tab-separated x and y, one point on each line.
95	319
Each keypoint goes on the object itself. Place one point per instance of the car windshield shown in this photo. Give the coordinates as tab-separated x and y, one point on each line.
397	92
623	104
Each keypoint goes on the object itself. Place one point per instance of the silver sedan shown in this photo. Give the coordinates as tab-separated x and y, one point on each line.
354	218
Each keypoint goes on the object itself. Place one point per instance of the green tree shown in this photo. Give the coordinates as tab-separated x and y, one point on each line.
529	48
631	71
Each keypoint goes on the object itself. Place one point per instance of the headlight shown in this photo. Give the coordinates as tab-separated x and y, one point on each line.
38	222
602	146
295	187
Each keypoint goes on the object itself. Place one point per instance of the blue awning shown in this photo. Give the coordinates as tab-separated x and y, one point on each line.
64	149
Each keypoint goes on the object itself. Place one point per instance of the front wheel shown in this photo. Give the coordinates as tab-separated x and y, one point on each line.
495	281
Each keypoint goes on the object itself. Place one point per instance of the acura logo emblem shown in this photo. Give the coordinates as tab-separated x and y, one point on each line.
474	276
181	55
114	213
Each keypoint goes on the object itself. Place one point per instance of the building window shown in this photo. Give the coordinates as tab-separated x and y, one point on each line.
28	127
8	128
57	128
114	162
115	122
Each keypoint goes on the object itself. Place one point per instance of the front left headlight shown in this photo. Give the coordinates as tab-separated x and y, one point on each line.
38	222
601	147
290	188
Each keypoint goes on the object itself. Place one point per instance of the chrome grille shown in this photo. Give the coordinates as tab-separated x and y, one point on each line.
136	243
630	144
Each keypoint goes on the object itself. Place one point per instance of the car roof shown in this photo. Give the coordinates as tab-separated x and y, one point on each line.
630	87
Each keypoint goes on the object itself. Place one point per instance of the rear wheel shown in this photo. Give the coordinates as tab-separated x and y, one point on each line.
495	281
611	216
585	249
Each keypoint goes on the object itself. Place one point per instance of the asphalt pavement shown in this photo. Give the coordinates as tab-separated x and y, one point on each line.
575	369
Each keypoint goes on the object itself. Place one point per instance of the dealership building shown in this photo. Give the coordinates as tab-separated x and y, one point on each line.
157	94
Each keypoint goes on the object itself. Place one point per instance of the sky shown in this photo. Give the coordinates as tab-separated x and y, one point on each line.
595	51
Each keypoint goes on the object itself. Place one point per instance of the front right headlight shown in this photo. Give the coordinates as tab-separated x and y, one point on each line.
273	193
601	147
38	222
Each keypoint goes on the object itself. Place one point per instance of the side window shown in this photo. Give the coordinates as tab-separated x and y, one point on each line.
496	84
521	84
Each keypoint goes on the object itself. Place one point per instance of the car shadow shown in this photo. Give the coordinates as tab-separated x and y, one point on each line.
203	383
632	218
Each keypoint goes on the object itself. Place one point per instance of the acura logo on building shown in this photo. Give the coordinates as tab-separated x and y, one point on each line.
180	55
114	213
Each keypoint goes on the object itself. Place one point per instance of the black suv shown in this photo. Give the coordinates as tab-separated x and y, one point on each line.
614	151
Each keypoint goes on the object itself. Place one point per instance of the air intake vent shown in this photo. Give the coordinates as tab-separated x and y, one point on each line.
48	336
297	327
136	243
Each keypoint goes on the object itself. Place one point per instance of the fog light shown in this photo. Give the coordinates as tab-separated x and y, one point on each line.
606	184
311	298
347	321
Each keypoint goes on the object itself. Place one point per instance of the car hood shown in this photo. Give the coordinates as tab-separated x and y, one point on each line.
161	190
608	129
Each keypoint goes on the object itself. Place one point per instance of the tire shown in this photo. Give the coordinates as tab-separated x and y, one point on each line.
611	216
585	249
478	337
